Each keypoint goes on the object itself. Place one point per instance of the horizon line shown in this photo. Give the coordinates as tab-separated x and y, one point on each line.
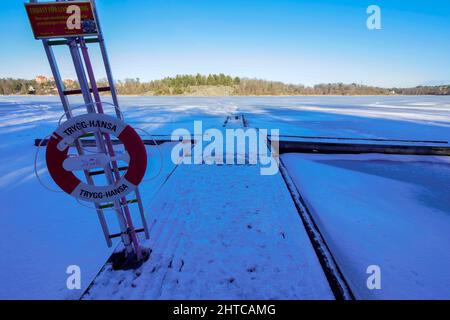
430	83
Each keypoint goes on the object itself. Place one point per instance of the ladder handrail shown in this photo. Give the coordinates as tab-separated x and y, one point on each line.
94	104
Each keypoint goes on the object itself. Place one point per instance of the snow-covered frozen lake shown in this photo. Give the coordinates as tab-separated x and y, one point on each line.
390	211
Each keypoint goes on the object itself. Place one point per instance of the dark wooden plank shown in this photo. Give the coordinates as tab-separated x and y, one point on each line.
359	148
78	91
91	142
292	138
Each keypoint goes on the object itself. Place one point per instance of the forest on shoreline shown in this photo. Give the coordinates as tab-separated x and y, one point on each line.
213	85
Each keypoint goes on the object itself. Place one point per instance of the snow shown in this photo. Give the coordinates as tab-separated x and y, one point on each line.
354	117
390	211
213	238
48	231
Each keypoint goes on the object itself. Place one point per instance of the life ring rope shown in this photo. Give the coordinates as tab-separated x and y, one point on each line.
74	128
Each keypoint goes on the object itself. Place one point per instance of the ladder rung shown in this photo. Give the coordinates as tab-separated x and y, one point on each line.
87	135
64	41
116	235
88	143
56	42
110	205
96	173
92	143
78	91
91	40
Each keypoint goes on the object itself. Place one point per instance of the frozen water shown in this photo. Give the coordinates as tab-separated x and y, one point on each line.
46	231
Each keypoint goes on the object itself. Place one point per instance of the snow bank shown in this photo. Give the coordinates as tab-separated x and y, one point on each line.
390	211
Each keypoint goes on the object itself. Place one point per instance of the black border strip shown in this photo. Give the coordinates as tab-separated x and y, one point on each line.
336	280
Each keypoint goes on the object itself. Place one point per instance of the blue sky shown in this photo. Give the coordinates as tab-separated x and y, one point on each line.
294	41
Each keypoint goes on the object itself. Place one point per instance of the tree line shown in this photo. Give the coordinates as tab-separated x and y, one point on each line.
178	85
188	84
10	86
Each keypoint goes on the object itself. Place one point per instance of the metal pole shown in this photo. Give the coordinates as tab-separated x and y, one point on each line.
128	233
106	62
84	86
142	213
90	72
112	87
65	103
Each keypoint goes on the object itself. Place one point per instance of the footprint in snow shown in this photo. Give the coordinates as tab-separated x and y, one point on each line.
252	269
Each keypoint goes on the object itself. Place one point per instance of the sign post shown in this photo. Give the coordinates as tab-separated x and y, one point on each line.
76	23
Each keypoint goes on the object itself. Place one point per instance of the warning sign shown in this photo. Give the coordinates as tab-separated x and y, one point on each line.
62	19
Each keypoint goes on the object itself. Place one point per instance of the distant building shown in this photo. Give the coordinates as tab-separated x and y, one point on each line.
41	79
69	82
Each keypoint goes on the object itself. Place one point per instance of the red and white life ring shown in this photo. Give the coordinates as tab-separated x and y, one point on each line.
74	128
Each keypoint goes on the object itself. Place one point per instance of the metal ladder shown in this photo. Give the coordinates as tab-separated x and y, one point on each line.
91	95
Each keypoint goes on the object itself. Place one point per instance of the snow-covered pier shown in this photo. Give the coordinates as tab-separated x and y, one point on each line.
221	232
